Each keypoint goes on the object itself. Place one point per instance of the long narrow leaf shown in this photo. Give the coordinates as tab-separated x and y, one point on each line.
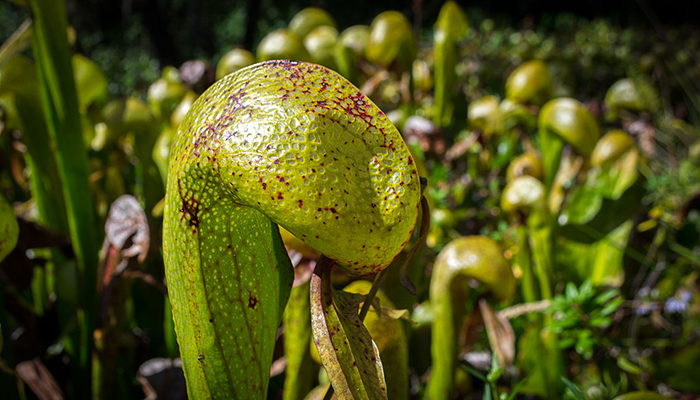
346	349
575	391
297	334
60	102
20	40
19	85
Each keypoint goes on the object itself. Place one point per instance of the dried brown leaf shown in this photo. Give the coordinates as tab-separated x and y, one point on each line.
127	228
162	379
39	379
500	333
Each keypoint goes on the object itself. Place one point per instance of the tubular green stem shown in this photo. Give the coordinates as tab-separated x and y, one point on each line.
448	306
372	294
444	77
47	192
552	376
151	186
541	241
461	261
552	146
529	287
298	380
44	179
39	292
227	298
451	26
473	165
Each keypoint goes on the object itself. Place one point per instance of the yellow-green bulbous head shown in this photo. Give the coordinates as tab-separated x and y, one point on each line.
571	121
628	94
391	38
282	45
320	43
530	83
529	163
484	115
355	38
479	258
233	61
611	146
308	19
164	95
303	146
523	194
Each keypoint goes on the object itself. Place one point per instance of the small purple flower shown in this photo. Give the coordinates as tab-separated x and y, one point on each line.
678	303
645	308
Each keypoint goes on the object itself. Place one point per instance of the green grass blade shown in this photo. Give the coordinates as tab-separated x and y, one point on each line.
297	336
575	391
60	103
9	230
19	41
19	88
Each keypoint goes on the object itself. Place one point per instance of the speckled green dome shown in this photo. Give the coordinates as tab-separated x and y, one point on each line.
391	38
570	120
309	19
282	45
530	83
299	143
479	258
611	146
233	61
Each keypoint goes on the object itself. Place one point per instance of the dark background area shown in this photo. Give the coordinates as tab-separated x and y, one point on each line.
133	39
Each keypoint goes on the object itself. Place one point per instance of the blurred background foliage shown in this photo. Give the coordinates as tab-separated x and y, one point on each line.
132	40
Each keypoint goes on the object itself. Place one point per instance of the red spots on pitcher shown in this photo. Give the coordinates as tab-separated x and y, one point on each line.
252	302
189	209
